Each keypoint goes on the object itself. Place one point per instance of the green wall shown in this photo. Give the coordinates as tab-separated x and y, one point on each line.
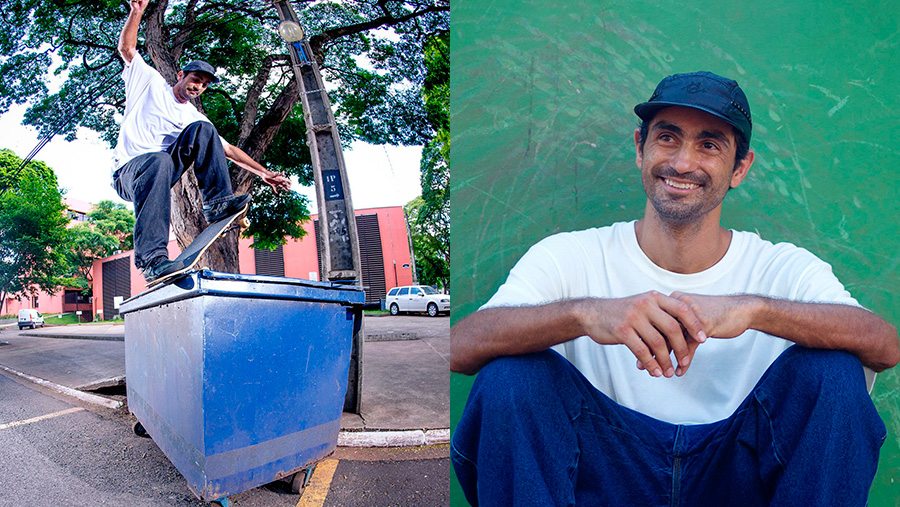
542	123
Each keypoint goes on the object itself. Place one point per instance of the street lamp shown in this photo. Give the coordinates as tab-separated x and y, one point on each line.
337	221
290	31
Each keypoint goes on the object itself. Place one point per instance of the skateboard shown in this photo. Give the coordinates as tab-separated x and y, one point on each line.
191	255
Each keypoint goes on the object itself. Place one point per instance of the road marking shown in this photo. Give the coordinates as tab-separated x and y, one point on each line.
40	418
317	489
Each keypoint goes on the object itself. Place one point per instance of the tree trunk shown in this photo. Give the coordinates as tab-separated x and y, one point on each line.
187	202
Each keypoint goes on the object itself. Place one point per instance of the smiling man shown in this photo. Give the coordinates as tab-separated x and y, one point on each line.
668	360
161	136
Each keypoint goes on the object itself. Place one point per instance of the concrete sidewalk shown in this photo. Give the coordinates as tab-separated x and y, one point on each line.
406	373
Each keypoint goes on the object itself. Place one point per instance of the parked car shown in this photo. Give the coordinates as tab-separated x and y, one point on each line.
417	298
30	318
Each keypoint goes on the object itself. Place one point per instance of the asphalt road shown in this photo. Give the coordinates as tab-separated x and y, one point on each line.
57	451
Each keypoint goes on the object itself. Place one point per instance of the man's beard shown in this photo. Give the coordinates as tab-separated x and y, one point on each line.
675	209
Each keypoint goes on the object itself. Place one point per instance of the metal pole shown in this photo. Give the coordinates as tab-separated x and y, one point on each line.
337	222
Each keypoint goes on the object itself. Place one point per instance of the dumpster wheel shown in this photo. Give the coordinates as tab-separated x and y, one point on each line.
301	479
139	430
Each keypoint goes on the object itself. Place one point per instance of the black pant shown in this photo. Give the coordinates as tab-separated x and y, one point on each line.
147	179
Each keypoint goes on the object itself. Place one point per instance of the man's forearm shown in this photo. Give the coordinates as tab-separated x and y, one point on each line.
240	157
511	330
128	37
829	326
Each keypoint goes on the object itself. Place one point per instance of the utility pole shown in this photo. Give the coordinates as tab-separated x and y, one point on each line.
337	222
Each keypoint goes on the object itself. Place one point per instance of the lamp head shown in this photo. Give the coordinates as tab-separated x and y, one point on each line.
290	31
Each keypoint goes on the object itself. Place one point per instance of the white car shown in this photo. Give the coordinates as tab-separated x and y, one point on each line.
417	298
30	318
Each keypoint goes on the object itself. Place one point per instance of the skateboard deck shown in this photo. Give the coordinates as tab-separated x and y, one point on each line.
192	254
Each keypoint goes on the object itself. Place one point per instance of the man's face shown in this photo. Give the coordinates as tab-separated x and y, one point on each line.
687	164
191	85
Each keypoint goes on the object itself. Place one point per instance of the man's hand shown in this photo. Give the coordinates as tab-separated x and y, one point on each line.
138	6
720	316
650	325
277	181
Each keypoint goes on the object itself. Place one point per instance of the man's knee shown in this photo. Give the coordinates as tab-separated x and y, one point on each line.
512	381
827	385
202	130
155	163
829	370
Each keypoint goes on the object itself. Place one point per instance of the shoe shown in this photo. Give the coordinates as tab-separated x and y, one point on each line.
158	267
225	208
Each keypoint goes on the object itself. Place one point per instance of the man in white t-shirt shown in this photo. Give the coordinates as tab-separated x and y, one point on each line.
651	362
161	136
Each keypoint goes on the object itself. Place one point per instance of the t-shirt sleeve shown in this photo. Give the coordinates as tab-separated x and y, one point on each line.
535	279
816	281
138	76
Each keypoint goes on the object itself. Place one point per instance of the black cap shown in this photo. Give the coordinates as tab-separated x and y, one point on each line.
201	66
705	91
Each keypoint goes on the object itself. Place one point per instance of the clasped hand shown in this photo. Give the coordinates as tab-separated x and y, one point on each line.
652	325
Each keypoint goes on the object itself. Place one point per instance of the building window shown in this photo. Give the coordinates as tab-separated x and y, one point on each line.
35	301
269	262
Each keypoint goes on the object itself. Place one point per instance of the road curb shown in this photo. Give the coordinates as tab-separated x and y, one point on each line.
75	393
404	438
58	336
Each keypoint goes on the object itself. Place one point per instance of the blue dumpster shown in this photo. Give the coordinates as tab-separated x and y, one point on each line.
240	379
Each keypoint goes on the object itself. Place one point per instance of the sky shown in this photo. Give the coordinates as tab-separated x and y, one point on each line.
379	176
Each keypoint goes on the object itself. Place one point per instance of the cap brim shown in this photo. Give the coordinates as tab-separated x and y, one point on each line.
646	111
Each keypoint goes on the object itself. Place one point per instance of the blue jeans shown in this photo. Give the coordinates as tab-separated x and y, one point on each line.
536	432
147	179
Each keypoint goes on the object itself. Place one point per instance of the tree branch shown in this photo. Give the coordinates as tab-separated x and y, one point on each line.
251	106
190	16
317	42
264	131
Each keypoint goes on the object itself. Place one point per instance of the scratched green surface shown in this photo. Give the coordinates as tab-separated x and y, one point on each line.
542	124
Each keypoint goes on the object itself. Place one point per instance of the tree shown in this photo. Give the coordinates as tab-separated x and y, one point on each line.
33	233
114	219
432	215
432	257
256	106
88	243
108	231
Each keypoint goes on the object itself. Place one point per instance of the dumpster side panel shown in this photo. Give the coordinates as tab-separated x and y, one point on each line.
164	369
287	358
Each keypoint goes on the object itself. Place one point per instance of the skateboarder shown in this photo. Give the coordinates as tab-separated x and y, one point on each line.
161	135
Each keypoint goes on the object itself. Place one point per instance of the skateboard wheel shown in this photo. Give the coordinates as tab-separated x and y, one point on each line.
245	222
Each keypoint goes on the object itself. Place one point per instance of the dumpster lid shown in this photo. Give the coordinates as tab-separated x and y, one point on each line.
206	282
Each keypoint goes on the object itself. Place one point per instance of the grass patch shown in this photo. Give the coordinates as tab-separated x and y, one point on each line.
61	319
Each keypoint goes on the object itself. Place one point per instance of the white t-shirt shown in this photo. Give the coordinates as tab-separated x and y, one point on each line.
153	116
608	263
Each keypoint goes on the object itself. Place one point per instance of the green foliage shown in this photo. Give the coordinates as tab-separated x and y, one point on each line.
87	244
33	235
429	216
273	217
431	250
116	220
10	174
